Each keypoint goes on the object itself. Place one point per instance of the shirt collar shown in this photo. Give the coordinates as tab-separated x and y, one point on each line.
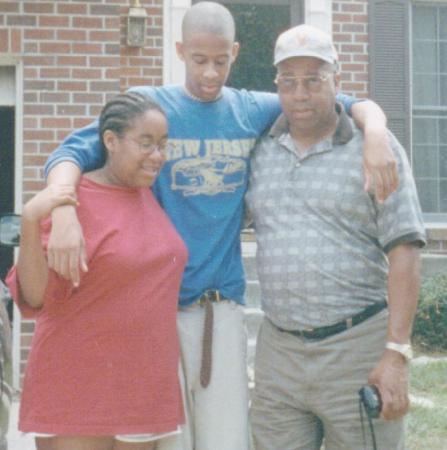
343	133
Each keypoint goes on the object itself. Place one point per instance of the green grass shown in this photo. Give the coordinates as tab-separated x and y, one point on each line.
427	425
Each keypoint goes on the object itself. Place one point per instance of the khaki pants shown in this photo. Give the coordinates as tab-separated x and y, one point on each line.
216	416
306	392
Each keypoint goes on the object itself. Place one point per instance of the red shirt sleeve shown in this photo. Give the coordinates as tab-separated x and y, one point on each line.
57	288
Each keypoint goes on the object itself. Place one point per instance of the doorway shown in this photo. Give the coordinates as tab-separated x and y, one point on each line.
7	157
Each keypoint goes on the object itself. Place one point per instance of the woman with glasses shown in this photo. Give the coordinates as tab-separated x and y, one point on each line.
102	371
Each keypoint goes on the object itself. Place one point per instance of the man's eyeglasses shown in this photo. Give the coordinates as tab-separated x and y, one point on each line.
312	83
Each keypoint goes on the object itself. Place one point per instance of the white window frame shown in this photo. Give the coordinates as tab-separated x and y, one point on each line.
431	220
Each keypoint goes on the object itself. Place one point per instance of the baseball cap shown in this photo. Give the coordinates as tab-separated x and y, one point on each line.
305	40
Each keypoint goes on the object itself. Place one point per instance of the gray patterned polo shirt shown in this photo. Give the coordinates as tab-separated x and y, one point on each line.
323	240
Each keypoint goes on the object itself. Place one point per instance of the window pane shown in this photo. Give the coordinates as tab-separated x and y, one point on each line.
443	22
425	90
442	131
443	55
424	22
443	161
428	195
429	95
443	89
443	196
425	57
425	161
425	131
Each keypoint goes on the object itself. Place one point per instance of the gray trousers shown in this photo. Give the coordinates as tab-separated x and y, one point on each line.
307	391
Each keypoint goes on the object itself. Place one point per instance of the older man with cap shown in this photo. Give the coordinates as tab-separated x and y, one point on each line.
339	271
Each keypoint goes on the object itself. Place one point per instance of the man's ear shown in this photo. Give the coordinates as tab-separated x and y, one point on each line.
179	50
337	81
235	52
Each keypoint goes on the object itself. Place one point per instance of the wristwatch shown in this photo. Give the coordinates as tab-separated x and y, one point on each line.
404	349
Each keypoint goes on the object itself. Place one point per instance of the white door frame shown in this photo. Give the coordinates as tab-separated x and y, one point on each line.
14	97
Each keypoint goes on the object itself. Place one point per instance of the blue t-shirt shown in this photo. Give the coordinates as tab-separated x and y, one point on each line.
202	184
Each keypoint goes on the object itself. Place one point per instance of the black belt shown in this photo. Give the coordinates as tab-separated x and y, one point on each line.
206	300
330	330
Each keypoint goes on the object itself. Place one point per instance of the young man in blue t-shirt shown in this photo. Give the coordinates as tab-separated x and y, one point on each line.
212	130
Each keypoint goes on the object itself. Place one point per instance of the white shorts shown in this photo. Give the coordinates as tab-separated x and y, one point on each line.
135	438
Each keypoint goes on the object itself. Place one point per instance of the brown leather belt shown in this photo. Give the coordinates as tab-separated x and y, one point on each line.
330	330
206	301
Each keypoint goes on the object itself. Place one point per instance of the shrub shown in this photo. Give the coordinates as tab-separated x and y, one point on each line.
430	325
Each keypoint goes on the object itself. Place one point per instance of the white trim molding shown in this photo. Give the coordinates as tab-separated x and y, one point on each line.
13	80
319	14
173	12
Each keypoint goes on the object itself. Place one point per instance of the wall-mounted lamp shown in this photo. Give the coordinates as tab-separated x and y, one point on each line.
136	25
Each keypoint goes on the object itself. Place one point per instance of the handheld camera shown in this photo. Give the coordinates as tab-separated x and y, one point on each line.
371	400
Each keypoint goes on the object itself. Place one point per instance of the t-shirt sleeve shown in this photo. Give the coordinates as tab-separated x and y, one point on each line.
12	281
263	109
399	218
347	101
149	91
57	288
82	147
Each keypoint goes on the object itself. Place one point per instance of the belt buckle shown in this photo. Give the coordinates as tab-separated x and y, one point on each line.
210	295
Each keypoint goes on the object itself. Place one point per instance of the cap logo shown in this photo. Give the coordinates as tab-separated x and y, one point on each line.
302	39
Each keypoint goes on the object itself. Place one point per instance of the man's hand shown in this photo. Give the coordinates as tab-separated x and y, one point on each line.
391	377
379	164
66	246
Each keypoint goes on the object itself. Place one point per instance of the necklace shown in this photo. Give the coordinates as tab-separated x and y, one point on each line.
198	99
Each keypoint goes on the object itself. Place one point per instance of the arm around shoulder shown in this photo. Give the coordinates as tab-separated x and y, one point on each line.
379	163
81	148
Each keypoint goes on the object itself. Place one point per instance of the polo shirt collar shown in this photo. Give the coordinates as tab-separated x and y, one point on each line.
343	133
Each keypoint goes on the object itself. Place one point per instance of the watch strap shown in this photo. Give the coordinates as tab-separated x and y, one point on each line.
404	349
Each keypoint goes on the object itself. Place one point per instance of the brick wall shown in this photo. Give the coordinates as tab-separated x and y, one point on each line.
74	58
350	33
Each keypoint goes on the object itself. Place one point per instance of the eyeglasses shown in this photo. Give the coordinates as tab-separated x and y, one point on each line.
147	147
312	83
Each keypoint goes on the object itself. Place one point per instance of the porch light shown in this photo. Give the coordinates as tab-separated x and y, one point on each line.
136	25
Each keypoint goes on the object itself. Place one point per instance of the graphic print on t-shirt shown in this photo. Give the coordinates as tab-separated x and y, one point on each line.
221	168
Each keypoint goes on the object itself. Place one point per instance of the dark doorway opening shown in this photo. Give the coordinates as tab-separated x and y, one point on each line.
7	157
